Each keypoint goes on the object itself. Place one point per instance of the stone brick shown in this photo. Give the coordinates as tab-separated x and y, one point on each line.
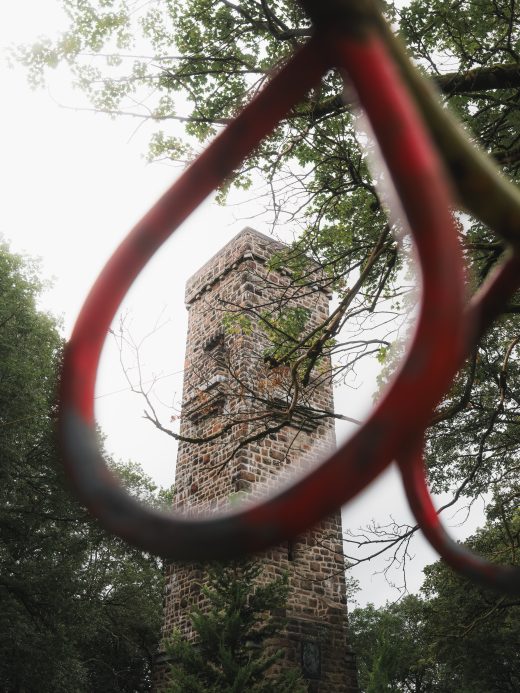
316	635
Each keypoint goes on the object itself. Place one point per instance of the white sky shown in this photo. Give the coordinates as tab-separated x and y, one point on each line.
72	184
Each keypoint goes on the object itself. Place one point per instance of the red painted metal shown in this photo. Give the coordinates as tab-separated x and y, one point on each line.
394	429
483	308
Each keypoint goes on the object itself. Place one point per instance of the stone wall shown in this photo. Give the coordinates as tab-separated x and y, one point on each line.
232	393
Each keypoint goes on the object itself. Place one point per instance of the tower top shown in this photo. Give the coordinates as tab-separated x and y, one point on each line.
248	244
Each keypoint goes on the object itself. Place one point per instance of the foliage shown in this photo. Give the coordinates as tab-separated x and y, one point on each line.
231	650
202	61
392	648
283	330
456	637
474	631
79	610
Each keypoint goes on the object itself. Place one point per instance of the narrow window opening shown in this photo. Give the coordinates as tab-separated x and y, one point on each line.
290	550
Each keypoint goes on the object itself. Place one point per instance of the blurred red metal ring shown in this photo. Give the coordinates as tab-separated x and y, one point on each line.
406	406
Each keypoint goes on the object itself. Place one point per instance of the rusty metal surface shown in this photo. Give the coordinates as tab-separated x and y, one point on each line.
356	44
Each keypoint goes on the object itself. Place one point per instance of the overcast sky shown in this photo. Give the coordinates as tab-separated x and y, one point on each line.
73	184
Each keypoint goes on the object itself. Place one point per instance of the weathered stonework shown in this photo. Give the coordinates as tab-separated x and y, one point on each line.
228	384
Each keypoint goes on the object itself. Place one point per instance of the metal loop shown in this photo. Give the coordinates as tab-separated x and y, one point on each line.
442	337
429	365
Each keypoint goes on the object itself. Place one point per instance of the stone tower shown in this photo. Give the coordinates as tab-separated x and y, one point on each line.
256	437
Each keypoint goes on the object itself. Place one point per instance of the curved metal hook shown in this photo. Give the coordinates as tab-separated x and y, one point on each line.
471	565
482	310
